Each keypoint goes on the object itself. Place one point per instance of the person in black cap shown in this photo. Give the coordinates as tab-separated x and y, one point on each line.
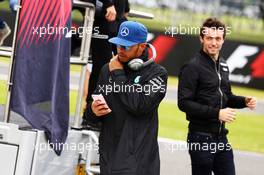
204	94
133	87
107	21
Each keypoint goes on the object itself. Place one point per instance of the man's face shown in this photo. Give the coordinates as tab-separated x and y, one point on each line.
135	51
212	41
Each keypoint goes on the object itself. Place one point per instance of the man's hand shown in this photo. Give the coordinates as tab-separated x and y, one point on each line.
251	102
99	108
227	115
115	64
110	13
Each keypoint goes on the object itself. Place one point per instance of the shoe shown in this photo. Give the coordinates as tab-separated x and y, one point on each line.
4	33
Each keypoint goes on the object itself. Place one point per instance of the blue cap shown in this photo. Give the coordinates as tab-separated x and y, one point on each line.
130	33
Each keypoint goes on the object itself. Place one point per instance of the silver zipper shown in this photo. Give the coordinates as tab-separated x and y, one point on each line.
221	93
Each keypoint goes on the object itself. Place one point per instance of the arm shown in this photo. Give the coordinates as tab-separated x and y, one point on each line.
110	10
188	82
239	102
85	90
235	101
95	110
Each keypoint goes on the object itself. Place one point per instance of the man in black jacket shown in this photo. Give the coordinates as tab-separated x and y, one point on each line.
205	95
128	139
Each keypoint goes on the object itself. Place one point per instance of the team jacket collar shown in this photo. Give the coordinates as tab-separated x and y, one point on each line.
207	57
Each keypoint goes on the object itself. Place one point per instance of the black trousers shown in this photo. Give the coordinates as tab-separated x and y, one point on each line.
210	153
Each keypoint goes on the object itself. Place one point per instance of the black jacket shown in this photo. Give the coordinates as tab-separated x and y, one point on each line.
128	139
203	90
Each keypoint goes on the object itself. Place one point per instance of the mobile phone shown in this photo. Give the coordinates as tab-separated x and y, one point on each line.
99	97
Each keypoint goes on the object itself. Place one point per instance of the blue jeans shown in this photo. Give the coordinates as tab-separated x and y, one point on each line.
210	153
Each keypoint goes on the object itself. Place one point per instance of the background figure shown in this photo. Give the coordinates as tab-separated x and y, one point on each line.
13	5
4	30
107	21
122	9
101	49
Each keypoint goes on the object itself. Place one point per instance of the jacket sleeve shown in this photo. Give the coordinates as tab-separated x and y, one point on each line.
90	116
187	87
235	101
107	3
141	98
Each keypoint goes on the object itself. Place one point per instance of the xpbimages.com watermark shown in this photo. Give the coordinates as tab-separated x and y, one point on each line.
60	30
154	85
134	88
190	30
196	146
79	147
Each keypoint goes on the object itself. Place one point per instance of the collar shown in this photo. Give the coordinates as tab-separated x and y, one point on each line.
205	55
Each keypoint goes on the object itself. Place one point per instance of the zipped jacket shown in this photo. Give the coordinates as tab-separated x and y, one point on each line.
203	89
128	140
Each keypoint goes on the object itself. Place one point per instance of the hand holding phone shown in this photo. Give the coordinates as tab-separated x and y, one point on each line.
99	105
100	98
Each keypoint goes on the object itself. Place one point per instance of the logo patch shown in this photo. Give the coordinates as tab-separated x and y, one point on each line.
124	31
136	80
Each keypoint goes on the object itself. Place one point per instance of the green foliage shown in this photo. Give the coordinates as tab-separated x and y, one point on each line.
246	133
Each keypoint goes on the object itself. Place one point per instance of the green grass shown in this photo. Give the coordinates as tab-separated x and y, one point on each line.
244	91
172	122
3	93
4	5
73	68
244	134
242	36
73	99
173	81
4	60
3	90
242	28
